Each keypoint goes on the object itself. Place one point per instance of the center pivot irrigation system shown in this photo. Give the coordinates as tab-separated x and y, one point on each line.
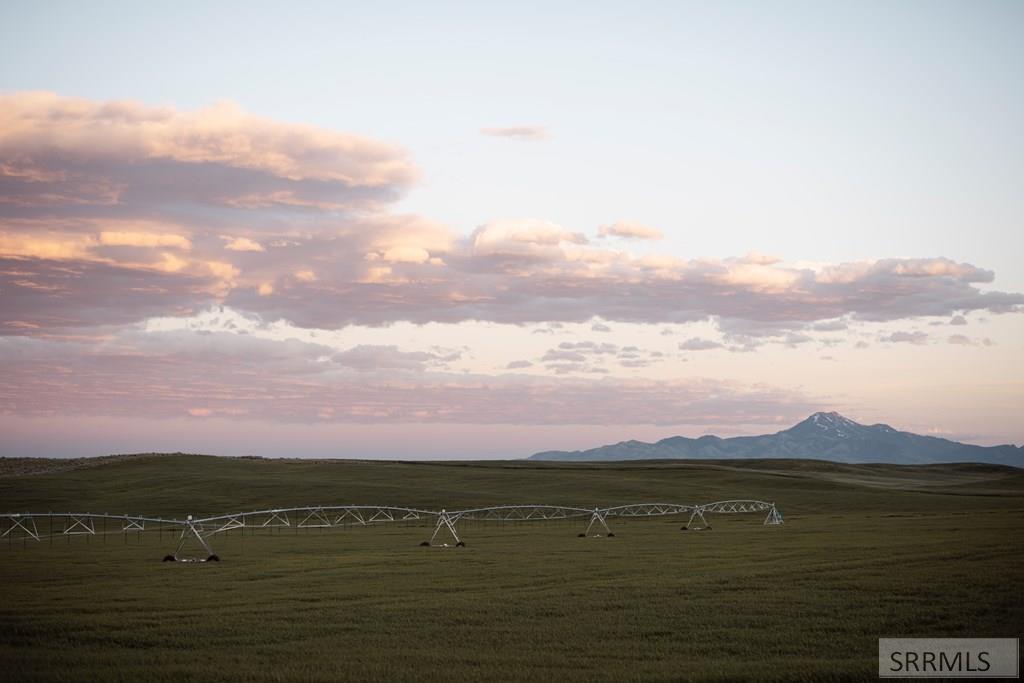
201	531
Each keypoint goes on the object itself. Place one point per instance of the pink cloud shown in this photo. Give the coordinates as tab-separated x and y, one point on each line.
163	375
629	230
118	211
517	132
44	296
46	138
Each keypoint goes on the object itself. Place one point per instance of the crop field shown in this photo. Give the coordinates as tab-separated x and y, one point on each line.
866	551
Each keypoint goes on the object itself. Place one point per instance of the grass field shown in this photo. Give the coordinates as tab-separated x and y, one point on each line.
866	551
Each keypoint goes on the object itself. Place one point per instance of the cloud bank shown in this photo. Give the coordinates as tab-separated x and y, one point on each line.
113	212
189	374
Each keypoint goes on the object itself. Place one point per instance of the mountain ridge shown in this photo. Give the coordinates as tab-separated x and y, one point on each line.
823	435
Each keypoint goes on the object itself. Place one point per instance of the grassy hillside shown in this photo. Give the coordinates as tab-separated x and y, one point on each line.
866	551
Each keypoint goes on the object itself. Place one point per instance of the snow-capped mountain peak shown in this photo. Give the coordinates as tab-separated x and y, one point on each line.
833	420
830	424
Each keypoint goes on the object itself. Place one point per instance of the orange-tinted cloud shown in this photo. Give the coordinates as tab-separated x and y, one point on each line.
59	150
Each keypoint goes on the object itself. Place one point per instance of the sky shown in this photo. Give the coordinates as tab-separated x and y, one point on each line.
472	230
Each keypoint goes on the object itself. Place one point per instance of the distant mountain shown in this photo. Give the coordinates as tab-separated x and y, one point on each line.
822	436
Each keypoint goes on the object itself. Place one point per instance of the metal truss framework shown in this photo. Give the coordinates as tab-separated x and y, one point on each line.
202	530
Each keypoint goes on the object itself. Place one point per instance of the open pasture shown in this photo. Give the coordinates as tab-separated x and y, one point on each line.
866	551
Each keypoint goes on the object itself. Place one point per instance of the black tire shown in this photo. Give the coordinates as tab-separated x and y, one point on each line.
425	544
581	535
213	558
170	558
684	528
460	544
611	535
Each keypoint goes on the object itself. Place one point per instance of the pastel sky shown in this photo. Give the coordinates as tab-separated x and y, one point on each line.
407	230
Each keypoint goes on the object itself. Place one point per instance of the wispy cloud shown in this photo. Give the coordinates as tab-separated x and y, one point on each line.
698	344
629	230
901	337
242	244
517	132
964	340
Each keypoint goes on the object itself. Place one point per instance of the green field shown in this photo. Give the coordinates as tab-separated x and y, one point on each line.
866	551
